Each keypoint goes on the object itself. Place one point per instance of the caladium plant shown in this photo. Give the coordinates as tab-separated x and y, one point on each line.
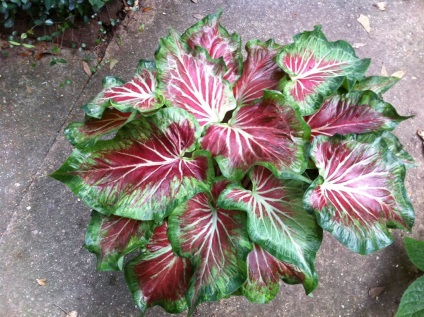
211	176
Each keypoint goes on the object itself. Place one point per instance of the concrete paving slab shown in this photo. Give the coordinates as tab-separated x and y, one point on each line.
45	241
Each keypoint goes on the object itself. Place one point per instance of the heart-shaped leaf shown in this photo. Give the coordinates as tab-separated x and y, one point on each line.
264	275
111	238
86	134
209	34
142	173
360	192
158	276
137	94
316	68
356	112
216	242
268	132
193	81
277	220
260	71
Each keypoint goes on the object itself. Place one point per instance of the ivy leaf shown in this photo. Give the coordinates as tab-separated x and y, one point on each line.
260	71
158	276
316	68
141	174
209	34
277	220
216	242
359	192
268	132
111	238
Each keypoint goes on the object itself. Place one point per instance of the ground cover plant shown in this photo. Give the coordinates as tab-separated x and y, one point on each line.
411	303
210	176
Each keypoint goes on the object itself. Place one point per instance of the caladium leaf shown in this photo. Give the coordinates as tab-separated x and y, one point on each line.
260	71
215	240
209	34
86	134
277	220
377	84
97	106
268	132
111	238
397	149
360	192
142	173
158	276
137	94
356	112
264	275
193	81
316	68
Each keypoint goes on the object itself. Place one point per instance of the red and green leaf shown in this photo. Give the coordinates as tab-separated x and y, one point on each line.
137	94
111	238
158	276
142	173
397	149
359	192
216	242
260	71
193	81
268	132
377	84
356	112
316	68
97	106
86	134
277	220
264	275
209	34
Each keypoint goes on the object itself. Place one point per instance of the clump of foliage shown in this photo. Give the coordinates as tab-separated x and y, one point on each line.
47	12
412	303
223	172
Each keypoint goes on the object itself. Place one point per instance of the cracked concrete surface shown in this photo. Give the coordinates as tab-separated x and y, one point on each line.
43	224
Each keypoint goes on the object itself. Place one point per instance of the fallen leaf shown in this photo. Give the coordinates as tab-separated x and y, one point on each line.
384	71
112	63
365	22
399	74
147	9
197	16
194	1
420	133
87	68
26	53
381	6
358	45
374	292
41	281
73	313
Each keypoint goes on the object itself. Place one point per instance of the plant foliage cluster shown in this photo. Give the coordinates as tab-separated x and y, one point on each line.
48	12
222	172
